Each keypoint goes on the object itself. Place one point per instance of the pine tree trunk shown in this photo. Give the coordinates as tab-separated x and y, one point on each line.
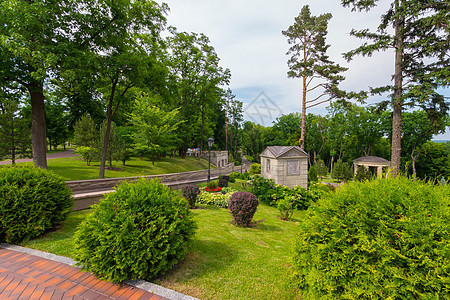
107	132
397	100
38	133
303	114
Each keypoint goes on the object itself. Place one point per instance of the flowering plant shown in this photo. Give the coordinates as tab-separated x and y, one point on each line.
218	189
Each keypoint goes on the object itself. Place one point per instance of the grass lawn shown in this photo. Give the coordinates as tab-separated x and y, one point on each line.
75	168
224	262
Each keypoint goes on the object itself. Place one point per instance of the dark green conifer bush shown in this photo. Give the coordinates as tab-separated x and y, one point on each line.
312	174
382	239
190	193
242	207
140	231
32	200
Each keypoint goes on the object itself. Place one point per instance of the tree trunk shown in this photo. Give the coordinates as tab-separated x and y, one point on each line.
203	131
38	133
398	91
107	132
302	145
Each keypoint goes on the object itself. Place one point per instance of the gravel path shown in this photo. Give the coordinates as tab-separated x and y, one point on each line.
62	154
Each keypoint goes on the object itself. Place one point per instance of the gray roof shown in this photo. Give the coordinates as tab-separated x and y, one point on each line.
278	151
372	159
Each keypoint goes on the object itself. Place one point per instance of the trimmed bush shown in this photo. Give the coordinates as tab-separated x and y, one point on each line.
223	181
363	173
242	207
140	231
237	175
190	193
254	169
212	185
312	174
32	201
382	239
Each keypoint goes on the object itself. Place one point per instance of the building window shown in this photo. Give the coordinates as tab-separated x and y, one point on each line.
268	165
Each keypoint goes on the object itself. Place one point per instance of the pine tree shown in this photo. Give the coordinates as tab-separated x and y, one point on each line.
310	62
421	46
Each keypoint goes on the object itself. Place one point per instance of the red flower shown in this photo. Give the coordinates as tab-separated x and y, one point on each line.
213	190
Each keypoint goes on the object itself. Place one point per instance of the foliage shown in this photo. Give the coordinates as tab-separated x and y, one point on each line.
286	206
223	181
363	174
341	171
238	175
190	193
154	128
140	231
15	134
212	185
87	153
32	201
312	174
434	161
254	169
262	187
57	123
382	239
242	207
220	199
85	133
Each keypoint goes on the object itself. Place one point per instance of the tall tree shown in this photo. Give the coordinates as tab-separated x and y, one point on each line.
421	44
40	39
154	129
320	76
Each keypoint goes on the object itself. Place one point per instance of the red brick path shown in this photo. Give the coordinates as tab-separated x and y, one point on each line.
24	276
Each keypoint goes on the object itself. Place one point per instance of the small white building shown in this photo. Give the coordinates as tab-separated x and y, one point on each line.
286	165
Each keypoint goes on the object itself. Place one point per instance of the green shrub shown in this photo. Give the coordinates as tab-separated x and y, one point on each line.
223	181
190	193
32	201
341	171
312	174
286	206
242	207
237	175
382	239
86	153
140	231
254	169
220	199
363	173
263	189
212	185
250	158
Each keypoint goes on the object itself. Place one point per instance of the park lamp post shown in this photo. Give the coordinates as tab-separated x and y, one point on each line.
210	143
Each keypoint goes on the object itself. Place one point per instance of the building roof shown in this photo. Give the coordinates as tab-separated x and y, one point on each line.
372	159
278	151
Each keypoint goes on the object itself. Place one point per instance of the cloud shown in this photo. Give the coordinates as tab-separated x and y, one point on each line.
247	37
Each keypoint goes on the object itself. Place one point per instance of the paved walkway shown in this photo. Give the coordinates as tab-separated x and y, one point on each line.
61	154
26	276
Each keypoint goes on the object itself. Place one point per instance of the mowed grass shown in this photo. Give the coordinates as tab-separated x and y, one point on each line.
224	261
75	168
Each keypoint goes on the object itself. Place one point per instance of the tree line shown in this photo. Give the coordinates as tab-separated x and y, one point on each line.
346	133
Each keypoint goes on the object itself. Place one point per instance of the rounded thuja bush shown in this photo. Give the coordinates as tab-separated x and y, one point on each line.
383	239
140	231
190	193
242	207
32	201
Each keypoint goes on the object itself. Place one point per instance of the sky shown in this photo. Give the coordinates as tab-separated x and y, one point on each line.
246	35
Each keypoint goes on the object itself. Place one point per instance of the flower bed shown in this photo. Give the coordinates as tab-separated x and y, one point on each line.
218	189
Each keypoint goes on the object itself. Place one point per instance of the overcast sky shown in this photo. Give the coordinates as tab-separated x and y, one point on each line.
247	37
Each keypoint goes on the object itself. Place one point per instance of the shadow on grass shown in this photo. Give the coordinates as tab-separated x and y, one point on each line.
204	257
266	227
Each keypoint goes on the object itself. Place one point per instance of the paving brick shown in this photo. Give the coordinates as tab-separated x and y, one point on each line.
37	293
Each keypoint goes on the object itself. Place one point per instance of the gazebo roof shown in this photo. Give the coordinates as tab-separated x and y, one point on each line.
372	159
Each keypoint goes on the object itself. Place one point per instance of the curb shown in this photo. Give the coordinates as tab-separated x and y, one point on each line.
141	284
